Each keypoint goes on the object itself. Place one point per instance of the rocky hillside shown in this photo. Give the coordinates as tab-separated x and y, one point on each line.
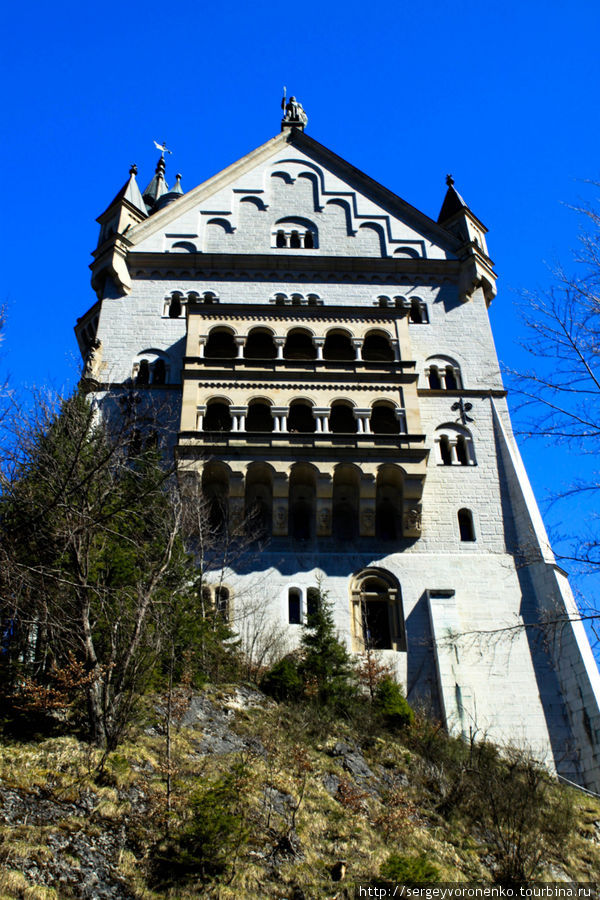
242	797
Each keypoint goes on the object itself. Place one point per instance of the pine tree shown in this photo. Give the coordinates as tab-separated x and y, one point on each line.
327	668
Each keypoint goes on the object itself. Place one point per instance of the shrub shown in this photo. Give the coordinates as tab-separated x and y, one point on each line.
213	837
283	681
393	705
409	870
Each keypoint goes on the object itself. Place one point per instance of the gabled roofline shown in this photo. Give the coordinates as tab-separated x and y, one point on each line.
303	141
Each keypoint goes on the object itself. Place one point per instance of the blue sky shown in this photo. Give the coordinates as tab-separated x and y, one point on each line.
502	96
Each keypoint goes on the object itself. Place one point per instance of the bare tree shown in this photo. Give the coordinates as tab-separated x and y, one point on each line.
560	394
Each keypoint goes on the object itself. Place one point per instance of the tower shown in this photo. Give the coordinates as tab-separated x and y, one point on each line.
326	354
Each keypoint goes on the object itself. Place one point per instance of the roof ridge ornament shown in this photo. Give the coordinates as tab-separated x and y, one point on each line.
450	180
163	148
293	113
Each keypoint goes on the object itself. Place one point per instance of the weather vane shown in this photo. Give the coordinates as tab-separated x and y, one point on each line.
162	147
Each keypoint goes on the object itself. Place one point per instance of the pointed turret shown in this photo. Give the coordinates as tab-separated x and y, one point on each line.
174	194
124	211
158	186
453	202
129	192
477	267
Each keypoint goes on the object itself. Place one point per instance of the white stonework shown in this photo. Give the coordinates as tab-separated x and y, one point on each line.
391	334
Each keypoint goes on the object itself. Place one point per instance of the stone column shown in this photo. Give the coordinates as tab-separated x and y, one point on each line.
280	504
200	413
396	350
201	345
279	343
321	417
363	417
319	343
453	453
411	520
357	344
238	414
280	414
240	341
401	416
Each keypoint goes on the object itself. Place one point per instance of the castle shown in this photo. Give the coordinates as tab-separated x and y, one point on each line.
326	351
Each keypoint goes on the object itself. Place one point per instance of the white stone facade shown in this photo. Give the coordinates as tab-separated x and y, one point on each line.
293	239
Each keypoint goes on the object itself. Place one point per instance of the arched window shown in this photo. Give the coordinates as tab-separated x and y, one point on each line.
384	419
345	503
451	380
341	419
218	416
159	372
388	503
299	345
294	606
377	616
377	348
222	602
417	313
443	373
295	233
143	374
434	379
465	525
302	502
259	345
215	492
259	416
220	345
300	417
175	307
338	346
446	455
259	500
454	446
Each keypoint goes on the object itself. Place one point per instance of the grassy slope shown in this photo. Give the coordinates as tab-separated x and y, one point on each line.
58	810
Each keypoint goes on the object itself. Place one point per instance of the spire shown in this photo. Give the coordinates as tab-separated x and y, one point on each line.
177	189
453	202
158	186
130	192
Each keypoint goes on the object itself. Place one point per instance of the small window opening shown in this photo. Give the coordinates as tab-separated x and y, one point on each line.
300	418
376	348
295	243
465	525
175	307
259	417
451	382
462	451
220	345
384	420
294	607
418	312
308	241
217	418
302	518
445	451
435	382
341	419
143	375
159	372
222	602
280	239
